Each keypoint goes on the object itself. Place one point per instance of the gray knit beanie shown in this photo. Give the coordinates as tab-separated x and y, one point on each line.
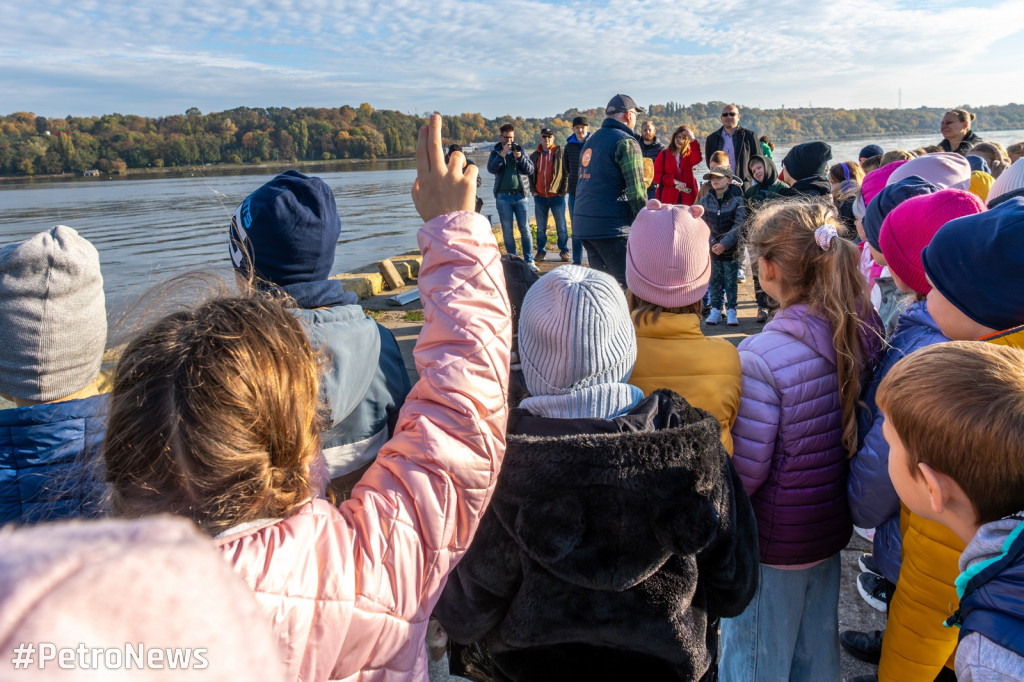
575	332
53	322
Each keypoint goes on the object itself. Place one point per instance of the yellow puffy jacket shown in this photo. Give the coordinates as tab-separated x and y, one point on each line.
916	644
673	353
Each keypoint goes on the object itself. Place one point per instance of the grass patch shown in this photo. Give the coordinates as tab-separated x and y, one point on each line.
413	316
375	314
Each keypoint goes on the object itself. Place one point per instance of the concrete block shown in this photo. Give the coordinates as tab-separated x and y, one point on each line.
392	279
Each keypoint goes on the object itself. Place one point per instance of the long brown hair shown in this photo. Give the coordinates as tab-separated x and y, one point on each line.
213	415
672	142
826	280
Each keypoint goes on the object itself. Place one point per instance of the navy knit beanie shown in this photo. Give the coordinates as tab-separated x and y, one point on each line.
871	150
977	263
287	230
889	198
807	159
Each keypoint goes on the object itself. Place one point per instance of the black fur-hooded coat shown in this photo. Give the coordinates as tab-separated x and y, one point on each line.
610	549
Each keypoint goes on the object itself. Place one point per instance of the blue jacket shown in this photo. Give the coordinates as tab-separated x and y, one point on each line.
991	613
496	165
50	460
601	210
873	500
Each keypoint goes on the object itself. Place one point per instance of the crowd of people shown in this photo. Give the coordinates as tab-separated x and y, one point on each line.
580	484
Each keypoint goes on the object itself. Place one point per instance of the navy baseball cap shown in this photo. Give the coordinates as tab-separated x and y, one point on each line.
621	103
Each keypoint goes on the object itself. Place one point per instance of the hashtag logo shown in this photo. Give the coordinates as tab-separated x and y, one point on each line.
23	655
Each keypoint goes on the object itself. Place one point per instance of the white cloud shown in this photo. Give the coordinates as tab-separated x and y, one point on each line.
530	57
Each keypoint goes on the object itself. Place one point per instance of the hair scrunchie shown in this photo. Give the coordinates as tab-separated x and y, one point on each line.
824	236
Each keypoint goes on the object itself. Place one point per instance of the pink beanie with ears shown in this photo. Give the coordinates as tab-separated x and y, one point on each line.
910	227
668	256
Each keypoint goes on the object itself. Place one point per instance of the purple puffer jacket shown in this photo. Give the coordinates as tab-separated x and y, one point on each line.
788	437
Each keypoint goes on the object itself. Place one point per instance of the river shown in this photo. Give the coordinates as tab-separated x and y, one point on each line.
149	229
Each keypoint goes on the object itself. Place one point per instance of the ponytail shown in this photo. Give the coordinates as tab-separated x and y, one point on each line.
819	269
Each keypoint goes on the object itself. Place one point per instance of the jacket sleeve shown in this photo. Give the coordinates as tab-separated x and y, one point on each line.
731	238
659	174
757	423
695	156
495	163
415	511
872	496
729	566
533	172
525	165
561	172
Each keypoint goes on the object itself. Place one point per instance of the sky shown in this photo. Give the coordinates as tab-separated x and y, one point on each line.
530	58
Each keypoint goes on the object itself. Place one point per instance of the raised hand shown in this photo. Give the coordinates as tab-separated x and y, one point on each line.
441	189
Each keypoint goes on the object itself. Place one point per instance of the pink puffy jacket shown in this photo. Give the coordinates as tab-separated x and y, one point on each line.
349	589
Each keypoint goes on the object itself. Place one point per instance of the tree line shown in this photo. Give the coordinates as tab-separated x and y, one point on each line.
113	143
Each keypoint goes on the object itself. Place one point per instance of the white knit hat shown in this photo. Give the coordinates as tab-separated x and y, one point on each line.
53	321
1010	180
575	332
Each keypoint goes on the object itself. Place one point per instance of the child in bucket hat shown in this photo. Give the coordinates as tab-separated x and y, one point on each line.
282	239
668	266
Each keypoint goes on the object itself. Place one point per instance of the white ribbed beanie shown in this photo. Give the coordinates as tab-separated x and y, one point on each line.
1010	180
575	332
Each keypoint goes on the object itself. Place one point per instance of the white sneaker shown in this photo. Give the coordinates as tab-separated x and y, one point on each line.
715	317
533	266
741	276
731	319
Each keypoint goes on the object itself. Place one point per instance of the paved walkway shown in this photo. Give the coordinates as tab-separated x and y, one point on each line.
854	613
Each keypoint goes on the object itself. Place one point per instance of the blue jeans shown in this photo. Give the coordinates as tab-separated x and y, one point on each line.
608	255
577	244
790	630
556	206
509	205
723	283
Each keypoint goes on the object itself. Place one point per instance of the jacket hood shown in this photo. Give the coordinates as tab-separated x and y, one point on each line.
351	343
771	173
917	313
576	140
616	520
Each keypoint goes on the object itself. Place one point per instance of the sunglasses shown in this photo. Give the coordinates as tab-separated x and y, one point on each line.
730	114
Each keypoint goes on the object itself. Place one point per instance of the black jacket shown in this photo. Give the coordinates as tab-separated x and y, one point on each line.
746	146
811	186
970	139
610	549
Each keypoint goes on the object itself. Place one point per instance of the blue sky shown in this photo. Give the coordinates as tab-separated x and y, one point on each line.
529	58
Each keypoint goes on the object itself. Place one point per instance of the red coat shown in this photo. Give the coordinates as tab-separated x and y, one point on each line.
666	171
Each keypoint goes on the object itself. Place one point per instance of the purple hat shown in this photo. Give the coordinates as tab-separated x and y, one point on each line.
942	169
668	257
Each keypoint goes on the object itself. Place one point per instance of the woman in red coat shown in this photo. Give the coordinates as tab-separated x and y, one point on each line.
674	169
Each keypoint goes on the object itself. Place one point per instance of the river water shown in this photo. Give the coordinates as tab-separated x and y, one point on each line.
149	229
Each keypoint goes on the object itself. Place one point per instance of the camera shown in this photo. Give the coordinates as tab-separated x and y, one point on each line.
516	148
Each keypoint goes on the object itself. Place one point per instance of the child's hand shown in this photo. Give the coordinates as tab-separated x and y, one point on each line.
717	249
441	189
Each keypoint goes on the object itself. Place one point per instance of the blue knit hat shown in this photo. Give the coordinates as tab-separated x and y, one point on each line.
575	332
871	150
287	230
978	164
977	263
889	198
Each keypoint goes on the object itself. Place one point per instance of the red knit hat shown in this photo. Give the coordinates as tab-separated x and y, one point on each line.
910	227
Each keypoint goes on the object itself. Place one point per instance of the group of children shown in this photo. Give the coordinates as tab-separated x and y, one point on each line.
652	487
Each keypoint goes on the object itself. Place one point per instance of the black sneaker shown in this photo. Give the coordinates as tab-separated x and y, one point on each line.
876	590
867	564
864	646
